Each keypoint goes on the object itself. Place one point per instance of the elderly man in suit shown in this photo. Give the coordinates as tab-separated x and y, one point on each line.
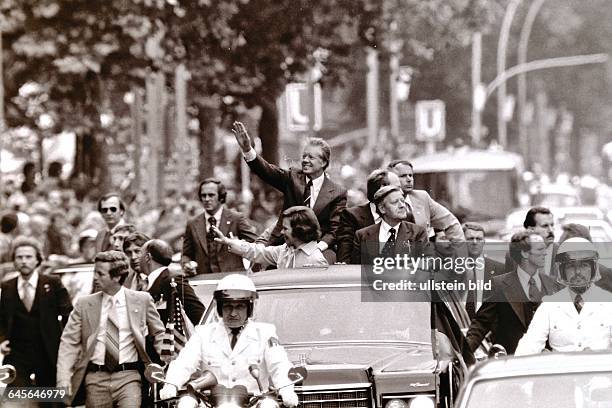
515	296
103	344
355	218
392	235
426	211
33	310
199	239
308	186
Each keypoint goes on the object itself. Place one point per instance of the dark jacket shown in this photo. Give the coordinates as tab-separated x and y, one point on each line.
351	220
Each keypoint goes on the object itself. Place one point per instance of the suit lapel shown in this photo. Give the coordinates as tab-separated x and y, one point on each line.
248	336
371	240
200	229
327	190
135	309
221	337
405	237
92	313
367	218
514	292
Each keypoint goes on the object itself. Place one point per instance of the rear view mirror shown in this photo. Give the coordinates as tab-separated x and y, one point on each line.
154	373
7	374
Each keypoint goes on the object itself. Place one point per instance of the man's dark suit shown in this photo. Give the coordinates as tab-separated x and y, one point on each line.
407	235
160	292
330	201
351	220
506	311
195	242
34	336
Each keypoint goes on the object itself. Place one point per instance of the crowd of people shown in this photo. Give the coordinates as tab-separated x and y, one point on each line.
104	337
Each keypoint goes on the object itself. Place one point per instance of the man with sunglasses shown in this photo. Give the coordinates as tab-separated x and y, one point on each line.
307	186
112	209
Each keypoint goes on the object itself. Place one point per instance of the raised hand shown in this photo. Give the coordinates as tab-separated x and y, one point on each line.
242	136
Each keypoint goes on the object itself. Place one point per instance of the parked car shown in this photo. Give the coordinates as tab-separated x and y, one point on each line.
358	353
559	380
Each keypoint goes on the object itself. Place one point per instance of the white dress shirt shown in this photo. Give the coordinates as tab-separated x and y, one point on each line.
524	279
384	234
154	275
127	348
315	189
33	284
217	216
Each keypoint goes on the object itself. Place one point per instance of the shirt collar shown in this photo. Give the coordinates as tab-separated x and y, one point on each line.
154	275
375	213
524	278
117	298
33	280
317	183
217	214
121	222
308	248
386	227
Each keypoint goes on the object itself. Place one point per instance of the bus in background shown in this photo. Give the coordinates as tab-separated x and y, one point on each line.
476	185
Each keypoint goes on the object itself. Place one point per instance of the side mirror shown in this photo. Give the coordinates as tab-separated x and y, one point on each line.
154	373
497	351
297	374
205	382
7	374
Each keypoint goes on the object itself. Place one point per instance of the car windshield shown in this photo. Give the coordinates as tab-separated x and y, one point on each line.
338	314
565	390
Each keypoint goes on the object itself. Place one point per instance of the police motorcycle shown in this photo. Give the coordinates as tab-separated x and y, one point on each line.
205	391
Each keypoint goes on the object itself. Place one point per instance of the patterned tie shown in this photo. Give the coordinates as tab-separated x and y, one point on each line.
534	292
28	299
578	303
470	301
212	248
235	333
111	358
307	193
389	247
212	222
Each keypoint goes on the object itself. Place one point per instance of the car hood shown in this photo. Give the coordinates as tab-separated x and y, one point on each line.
358	356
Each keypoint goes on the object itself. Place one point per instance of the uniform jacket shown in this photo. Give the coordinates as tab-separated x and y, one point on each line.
429	214
330	201
366	246
195	241
209	349
503	312
53	303
351	220
558	322
79	337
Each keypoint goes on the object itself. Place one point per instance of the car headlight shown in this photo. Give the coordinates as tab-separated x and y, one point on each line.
422	402
397	403
187	401
267	403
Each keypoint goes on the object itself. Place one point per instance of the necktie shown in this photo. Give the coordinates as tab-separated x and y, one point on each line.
111	357
212	222
534	292
389	247
578	303
235	333
307	193
470	302
28	299
142	283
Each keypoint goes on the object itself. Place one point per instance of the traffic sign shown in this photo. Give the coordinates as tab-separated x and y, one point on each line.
430	121
297	99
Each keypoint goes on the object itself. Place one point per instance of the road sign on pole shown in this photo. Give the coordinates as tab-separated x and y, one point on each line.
430	121
297	100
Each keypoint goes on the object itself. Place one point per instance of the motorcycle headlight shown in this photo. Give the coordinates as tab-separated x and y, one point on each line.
267	403
187	401
396	403
229	405
422	402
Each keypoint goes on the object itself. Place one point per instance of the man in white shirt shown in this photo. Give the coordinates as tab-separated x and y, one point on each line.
301	232
103	344
579	317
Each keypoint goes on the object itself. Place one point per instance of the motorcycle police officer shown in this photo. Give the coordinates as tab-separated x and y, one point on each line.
579	317
231	345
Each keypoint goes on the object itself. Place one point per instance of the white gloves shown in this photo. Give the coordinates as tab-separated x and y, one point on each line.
169	391
289	397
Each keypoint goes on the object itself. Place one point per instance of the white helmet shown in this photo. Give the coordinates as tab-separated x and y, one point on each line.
577	250
235	287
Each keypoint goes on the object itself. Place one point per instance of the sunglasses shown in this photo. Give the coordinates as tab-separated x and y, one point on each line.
108	210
